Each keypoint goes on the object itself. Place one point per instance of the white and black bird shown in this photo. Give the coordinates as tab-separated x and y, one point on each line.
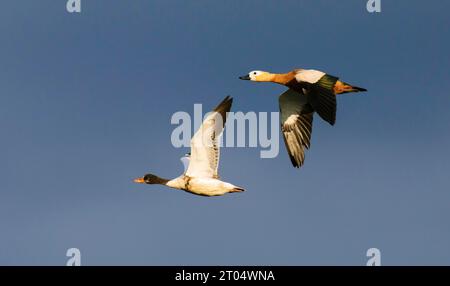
200	176
309	91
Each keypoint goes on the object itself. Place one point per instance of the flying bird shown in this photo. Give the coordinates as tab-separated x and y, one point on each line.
309	91
200	176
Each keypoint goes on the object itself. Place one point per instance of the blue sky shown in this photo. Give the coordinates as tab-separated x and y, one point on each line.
85	106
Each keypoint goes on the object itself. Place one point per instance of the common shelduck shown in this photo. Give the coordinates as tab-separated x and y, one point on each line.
201	165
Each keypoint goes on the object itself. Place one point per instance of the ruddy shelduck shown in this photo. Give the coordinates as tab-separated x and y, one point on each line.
309	91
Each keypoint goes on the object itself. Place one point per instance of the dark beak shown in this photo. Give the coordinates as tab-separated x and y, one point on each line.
244	77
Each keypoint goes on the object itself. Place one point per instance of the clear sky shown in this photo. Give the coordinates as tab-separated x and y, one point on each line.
85	106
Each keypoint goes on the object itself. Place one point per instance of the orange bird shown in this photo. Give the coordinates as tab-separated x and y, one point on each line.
309	91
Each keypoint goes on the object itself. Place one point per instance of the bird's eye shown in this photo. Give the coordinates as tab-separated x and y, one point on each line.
254	72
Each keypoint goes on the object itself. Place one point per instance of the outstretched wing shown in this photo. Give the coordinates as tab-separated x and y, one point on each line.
296	116
320	92
205	143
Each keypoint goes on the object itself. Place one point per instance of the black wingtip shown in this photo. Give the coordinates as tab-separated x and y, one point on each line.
238	190
295	163
228	98
330	121
359	88
224	107
226	102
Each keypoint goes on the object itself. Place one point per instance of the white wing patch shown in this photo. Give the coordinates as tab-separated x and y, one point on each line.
296	119
310	76
292	119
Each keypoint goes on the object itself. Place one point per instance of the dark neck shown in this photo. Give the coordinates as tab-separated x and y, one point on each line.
159	181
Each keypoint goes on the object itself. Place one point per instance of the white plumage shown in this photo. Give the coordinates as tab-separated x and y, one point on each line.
200	175
309	76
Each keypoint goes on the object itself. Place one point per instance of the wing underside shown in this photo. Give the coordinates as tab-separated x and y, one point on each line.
296	116
205	144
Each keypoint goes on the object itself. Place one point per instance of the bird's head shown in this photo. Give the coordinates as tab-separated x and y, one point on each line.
257	76
148	179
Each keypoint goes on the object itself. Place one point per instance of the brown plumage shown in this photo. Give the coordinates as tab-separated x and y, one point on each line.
309	91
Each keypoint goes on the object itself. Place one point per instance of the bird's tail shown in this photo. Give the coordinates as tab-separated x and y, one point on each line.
237	190
357	89
342	87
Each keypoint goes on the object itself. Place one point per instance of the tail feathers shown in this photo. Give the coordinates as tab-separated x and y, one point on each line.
356	89
342	87
237	190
